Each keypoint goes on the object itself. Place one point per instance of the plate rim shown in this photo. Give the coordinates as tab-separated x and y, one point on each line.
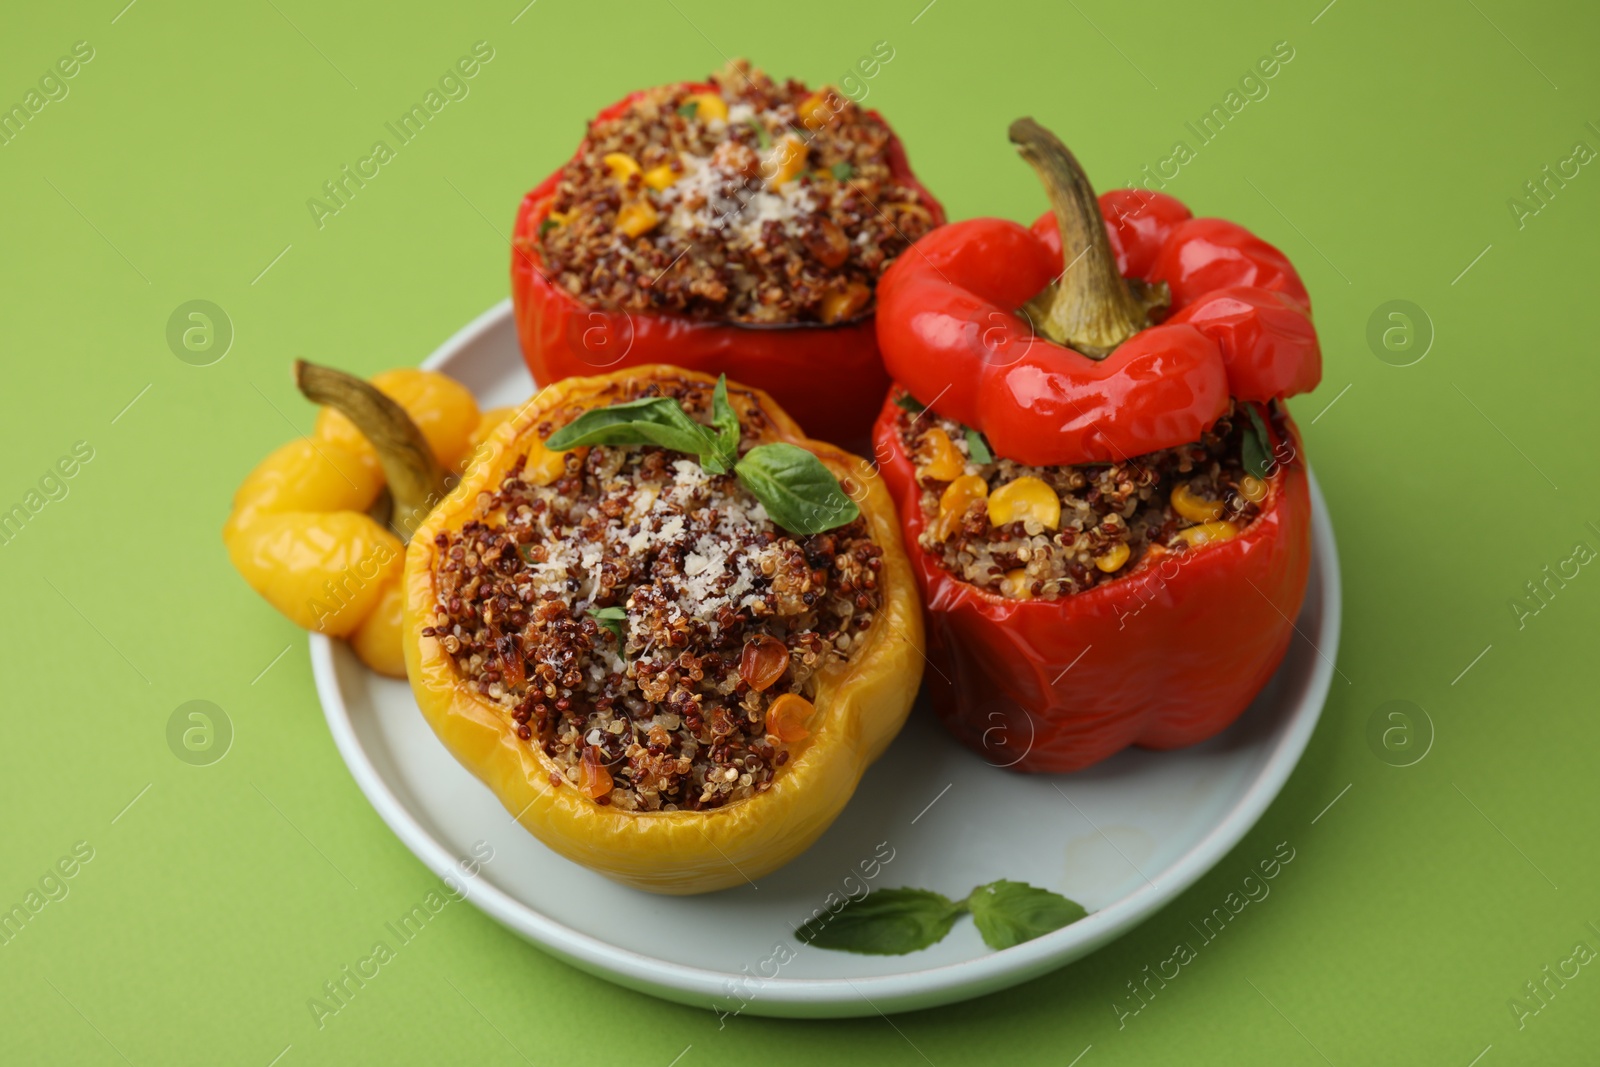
905	990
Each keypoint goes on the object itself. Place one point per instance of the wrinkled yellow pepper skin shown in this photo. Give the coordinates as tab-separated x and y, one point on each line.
305	475
441	407
299	534
487	425
860	704
324	570
377	641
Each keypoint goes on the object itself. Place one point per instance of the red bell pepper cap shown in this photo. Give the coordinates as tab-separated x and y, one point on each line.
975	321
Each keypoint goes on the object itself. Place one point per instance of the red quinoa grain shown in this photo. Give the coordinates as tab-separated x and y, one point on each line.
699	570
1103	506
730	243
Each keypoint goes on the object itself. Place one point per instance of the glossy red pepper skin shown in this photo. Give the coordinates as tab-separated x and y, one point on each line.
1137	221
1164	657
1239	325
950	334
830	378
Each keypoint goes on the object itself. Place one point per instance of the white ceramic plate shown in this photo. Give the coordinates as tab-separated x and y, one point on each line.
1122	838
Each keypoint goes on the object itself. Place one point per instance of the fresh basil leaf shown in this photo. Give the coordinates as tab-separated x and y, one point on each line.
843	171
655	420
888	922
762	137
726	423
799	493
688	109
907	402
1009	913
1255	451
978	448
613	619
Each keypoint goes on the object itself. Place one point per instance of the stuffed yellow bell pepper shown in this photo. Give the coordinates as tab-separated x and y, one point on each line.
667	630
317	528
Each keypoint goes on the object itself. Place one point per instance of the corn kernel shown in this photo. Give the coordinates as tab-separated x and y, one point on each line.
637	217
841	304
560	218
958	496
1017	585
1208	532
1194	507
939	457
815	111
788	159
708	107
788	716
1027	498
827	243
1252	489
1113	558
661	177
621	165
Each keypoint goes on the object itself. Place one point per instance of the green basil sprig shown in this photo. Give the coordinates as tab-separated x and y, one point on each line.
799	493
613	619
1254	451
977	445
907	402
893	922
725	424
978	448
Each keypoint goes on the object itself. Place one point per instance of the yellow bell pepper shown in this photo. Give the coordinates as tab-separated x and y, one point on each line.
441	407
300	536
303	530
859	704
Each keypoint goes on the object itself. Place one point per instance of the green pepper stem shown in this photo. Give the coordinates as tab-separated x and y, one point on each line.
1090	307
416	481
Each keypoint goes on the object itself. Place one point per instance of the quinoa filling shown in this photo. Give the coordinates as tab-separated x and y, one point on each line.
646	624
752	202
1046	532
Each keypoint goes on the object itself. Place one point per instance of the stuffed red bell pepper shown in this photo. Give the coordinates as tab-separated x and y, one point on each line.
732	226
1102	492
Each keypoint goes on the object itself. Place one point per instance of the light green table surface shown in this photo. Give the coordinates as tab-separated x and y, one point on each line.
1382	158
